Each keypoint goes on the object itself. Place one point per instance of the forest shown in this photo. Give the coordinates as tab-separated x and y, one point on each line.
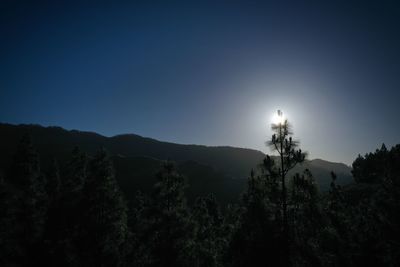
77	214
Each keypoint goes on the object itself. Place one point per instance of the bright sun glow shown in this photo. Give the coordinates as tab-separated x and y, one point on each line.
278	118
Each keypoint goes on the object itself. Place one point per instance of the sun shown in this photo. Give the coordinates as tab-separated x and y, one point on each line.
278	118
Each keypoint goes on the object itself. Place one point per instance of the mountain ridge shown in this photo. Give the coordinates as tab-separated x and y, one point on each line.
220	170
153	139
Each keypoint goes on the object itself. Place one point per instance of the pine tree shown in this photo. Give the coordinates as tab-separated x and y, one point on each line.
257	235
209	241
304	201
65	212
375	216
170	228
372	167
334	237
9	246
51	227
53	181
283	143
270	211
138	249
76	173
31	200
336	206
104	227
305	220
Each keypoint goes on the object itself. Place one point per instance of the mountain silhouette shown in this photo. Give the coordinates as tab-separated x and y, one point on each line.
219	170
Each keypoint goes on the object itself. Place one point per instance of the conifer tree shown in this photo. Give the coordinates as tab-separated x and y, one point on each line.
53	181
305	220
9	246
31	201
257	235
375	216
267	220
305	210
372	167
139	230
209	240
66	211
336	206
54	220
76	172
104	227
171	231
334	238
289	156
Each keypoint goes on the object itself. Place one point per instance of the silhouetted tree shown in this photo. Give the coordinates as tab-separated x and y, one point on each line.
306	219
334	242
54	218
53	181
376	215
289	156
31	202
139	221
9	245
274	221
209	240
170	227
104	219
365	217
257	237
372	167
62	231
76	172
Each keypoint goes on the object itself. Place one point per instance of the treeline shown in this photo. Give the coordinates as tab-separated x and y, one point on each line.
77	216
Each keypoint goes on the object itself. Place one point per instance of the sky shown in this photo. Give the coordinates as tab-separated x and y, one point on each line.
207	72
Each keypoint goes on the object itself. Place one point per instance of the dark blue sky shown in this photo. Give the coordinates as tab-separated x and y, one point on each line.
207	72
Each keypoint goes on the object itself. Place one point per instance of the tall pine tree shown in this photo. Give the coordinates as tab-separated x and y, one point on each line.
31	201
209	240
65	213
170	228
103	223
256	239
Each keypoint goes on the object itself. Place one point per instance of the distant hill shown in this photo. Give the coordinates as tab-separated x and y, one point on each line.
219	170
321	170
139	173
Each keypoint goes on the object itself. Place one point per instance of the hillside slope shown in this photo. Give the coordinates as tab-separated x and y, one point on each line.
218	170
235	162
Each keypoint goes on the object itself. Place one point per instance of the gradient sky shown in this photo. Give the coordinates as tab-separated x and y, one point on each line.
207	73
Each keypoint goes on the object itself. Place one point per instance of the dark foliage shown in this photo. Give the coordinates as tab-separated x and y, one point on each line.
103	225
170	229
75	214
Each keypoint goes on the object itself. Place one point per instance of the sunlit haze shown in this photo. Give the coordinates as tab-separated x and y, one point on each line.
278	118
